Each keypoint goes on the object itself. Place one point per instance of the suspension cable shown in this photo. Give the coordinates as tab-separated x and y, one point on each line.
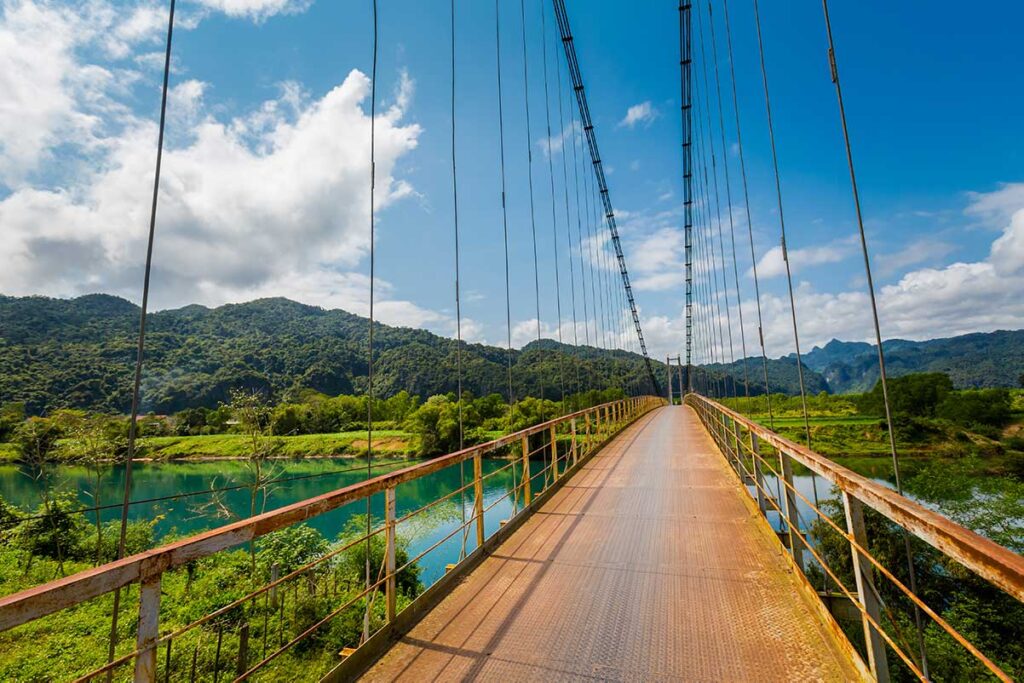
782	222
686	120
728	201
504	210
141	347
369	384
588	129
877	327
554	217
529	172
750	222
568	231
458	298
731	380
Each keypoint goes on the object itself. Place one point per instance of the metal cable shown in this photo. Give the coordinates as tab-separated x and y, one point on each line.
373	262
458	298
568	231
728	201
782	221
572	62
718	206
554	217
141	348
750	222
504	211
877	327
686	121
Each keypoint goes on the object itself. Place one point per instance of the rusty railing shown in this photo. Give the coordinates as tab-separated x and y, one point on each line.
743	443
562	444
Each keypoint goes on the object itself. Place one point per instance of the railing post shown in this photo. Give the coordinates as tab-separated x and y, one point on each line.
554	455
478	497
391	585
148	630
597	418
755	453
862	575
526	471
573	442
588	437
738	445
792	518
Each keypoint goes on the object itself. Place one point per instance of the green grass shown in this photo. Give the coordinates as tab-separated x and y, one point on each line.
385	442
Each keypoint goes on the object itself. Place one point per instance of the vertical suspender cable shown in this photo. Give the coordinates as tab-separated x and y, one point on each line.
750	224
504	212
782	222
785	255
373	260
458	300
834	68
730	378
579	226
728	201
576	77
141	347
568	233
529	171
554	218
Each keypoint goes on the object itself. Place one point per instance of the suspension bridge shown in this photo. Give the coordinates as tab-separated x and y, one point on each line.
660	536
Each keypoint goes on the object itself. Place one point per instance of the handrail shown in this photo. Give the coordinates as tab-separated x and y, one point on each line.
737	437
988	559
147	568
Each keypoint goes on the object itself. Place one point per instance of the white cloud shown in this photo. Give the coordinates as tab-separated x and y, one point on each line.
276	202
643	113
773	265
257	10
554	144
927	303
918	251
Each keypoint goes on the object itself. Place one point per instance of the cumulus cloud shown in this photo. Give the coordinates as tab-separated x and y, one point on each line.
279	196
773	265
926	303
639	114
273	201
256	9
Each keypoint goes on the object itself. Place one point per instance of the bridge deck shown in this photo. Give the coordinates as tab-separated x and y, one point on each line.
647	565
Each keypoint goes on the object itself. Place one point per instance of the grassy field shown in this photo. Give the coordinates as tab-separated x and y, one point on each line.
385	442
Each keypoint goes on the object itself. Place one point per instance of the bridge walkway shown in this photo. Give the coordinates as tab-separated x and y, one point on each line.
648	565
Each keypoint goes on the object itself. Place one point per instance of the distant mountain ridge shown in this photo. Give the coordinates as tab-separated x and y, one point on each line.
79	353
977	360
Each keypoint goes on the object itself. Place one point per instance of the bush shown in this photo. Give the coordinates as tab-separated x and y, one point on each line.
977	408
915	395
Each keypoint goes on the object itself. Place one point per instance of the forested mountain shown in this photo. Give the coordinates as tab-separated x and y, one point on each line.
80	353
994	359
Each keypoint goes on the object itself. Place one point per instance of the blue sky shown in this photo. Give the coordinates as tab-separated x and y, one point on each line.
265	189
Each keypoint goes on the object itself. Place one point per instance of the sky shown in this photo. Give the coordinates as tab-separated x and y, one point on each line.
265	187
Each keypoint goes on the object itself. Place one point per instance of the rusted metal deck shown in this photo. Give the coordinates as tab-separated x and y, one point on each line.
648	565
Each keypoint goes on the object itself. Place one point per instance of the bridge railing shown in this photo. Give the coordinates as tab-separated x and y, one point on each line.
758	455
258	626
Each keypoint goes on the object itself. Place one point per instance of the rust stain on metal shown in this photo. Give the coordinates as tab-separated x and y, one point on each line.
647	565
997	564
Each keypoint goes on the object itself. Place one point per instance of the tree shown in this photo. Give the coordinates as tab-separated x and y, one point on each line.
915	395
986	407
436	425
95	442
